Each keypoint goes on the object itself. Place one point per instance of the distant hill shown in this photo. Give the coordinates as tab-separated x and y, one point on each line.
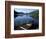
34	14
17	13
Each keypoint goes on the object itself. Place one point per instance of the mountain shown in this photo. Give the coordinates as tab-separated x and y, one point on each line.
34	14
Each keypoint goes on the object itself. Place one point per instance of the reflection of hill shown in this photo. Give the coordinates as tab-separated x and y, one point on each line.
23	20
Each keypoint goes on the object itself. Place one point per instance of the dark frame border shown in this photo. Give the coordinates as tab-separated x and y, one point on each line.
8	19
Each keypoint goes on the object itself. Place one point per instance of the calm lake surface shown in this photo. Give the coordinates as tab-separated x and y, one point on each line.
25	19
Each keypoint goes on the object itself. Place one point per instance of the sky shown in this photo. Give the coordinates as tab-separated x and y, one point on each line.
24	10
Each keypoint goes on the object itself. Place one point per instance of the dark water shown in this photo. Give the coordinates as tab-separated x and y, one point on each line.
20	20
25	19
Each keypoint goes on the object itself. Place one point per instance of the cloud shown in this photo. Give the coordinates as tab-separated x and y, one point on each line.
24	10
